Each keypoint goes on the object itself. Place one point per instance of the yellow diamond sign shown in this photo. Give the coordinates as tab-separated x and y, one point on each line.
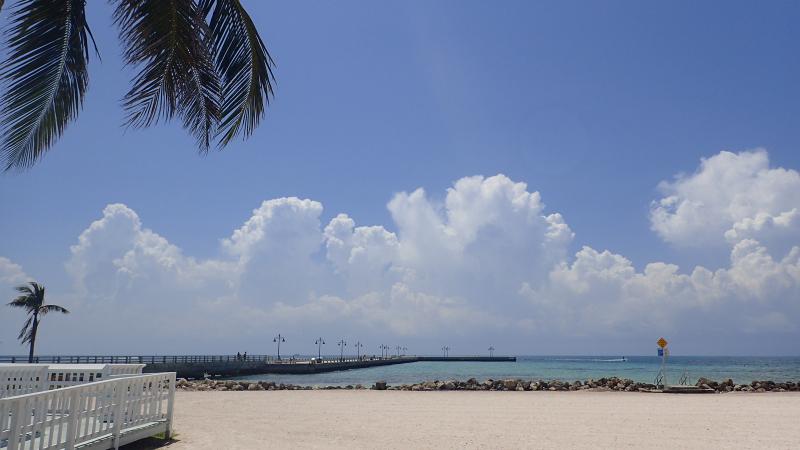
662	342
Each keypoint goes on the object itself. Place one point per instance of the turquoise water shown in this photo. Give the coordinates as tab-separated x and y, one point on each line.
566	368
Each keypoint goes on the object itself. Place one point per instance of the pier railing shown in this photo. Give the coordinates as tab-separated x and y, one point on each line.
178	359
105	414
133	359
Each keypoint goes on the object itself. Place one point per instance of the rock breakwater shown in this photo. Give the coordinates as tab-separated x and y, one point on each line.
602	384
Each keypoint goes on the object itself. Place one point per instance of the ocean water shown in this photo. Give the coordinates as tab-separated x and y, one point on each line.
565	368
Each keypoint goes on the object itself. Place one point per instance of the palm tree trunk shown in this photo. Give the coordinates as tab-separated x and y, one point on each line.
33	336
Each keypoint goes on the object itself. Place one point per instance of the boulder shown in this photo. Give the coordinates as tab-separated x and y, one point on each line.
380	386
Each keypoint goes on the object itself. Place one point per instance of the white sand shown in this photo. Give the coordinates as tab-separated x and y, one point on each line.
392	419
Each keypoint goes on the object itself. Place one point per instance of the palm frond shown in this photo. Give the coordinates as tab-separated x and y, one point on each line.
25	289
45	77
44	309
32	297
23	301
29	336
169	40
26	328
244	66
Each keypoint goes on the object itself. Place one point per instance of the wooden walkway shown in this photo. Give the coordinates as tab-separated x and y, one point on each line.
94	415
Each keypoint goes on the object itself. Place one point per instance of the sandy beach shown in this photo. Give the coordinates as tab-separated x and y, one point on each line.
390	419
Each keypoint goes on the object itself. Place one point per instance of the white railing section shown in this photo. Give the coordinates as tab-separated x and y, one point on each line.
18	379
103	414
124	369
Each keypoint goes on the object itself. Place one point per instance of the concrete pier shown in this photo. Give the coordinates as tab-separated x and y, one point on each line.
299	367
200	366
468	358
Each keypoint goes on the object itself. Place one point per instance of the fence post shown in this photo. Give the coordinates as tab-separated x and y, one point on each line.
14	426
74	416
118	411
170	406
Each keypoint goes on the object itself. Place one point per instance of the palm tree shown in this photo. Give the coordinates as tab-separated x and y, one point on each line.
200	60
32	299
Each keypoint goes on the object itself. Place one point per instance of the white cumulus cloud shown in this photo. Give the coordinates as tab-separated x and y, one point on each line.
487	261
732	196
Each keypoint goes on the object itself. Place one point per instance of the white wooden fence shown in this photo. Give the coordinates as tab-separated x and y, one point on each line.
17	379
124	369
97	415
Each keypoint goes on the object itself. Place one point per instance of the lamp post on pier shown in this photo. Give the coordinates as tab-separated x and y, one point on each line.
279	339
358	349
445	351
404	350
384	351
342	344
491	351
320	342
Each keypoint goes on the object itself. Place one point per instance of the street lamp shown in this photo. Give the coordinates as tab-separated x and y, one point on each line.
279	339
319	343
446	351
358	349
404	350
342	344
384	351
491	351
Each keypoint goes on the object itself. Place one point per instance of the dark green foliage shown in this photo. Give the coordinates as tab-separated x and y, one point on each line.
45	76
32	300
244	65
200	60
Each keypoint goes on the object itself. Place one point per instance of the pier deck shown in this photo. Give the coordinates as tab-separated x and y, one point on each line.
199	366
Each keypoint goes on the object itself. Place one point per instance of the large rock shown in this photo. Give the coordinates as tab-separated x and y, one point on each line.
380	385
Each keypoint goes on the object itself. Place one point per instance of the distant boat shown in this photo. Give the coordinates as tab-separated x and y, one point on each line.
623	359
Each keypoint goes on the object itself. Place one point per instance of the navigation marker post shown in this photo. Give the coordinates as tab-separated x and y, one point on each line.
663	352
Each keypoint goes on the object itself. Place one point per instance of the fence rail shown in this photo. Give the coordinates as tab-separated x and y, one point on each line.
18	379
102	414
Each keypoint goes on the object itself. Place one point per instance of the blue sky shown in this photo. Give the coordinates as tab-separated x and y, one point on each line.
592	104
